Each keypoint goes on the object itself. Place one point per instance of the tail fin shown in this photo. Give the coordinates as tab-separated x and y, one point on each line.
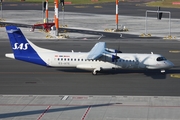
22	48
18	42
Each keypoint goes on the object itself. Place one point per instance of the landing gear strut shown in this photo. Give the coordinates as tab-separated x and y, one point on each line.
96	70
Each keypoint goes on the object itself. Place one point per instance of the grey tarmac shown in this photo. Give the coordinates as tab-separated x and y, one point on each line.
30	91
17	77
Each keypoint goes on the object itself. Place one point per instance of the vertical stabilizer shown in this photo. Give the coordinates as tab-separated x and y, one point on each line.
22	48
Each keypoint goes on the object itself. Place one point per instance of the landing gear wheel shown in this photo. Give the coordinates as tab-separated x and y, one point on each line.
163	71
94	72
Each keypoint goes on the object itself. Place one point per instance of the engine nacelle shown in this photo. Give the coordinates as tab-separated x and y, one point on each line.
112	50
114	58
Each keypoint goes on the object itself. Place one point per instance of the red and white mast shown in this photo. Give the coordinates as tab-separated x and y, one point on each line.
117	13
46	11
56	17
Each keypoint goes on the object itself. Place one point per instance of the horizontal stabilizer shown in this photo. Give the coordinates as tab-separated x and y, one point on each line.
22	48
10	55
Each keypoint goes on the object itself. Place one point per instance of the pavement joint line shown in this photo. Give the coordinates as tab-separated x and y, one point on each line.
39	118
86	113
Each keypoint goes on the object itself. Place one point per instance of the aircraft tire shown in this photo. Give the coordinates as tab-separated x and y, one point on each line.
94	72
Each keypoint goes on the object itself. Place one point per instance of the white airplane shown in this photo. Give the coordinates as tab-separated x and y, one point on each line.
97	59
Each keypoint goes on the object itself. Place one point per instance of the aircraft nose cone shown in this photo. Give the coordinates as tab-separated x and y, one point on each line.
170	64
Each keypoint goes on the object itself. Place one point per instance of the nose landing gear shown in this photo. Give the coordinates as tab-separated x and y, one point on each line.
163	71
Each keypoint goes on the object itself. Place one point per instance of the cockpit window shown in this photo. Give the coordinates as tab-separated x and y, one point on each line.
161	59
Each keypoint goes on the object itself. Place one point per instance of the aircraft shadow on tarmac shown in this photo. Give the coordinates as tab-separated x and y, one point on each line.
155	74
52	110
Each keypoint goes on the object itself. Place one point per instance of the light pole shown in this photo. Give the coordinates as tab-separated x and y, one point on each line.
56	17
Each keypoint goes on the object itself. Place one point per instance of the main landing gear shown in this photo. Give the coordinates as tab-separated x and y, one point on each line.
95	71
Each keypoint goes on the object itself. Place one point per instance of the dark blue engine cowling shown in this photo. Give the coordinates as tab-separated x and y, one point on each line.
114	58
113	50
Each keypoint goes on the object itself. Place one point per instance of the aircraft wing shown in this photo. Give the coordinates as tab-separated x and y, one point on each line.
99	52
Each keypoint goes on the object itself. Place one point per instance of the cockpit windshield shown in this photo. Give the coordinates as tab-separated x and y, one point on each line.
161	59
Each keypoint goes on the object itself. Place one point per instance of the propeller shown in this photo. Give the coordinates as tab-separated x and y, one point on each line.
116	56
118	50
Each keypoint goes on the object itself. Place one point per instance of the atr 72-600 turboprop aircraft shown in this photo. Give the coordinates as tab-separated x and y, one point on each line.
97	59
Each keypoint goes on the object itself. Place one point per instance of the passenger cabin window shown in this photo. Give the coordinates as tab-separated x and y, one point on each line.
161	59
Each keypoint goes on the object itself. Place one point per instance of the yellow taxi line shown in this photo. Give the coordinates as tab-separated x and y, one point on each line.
174	51
175	75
